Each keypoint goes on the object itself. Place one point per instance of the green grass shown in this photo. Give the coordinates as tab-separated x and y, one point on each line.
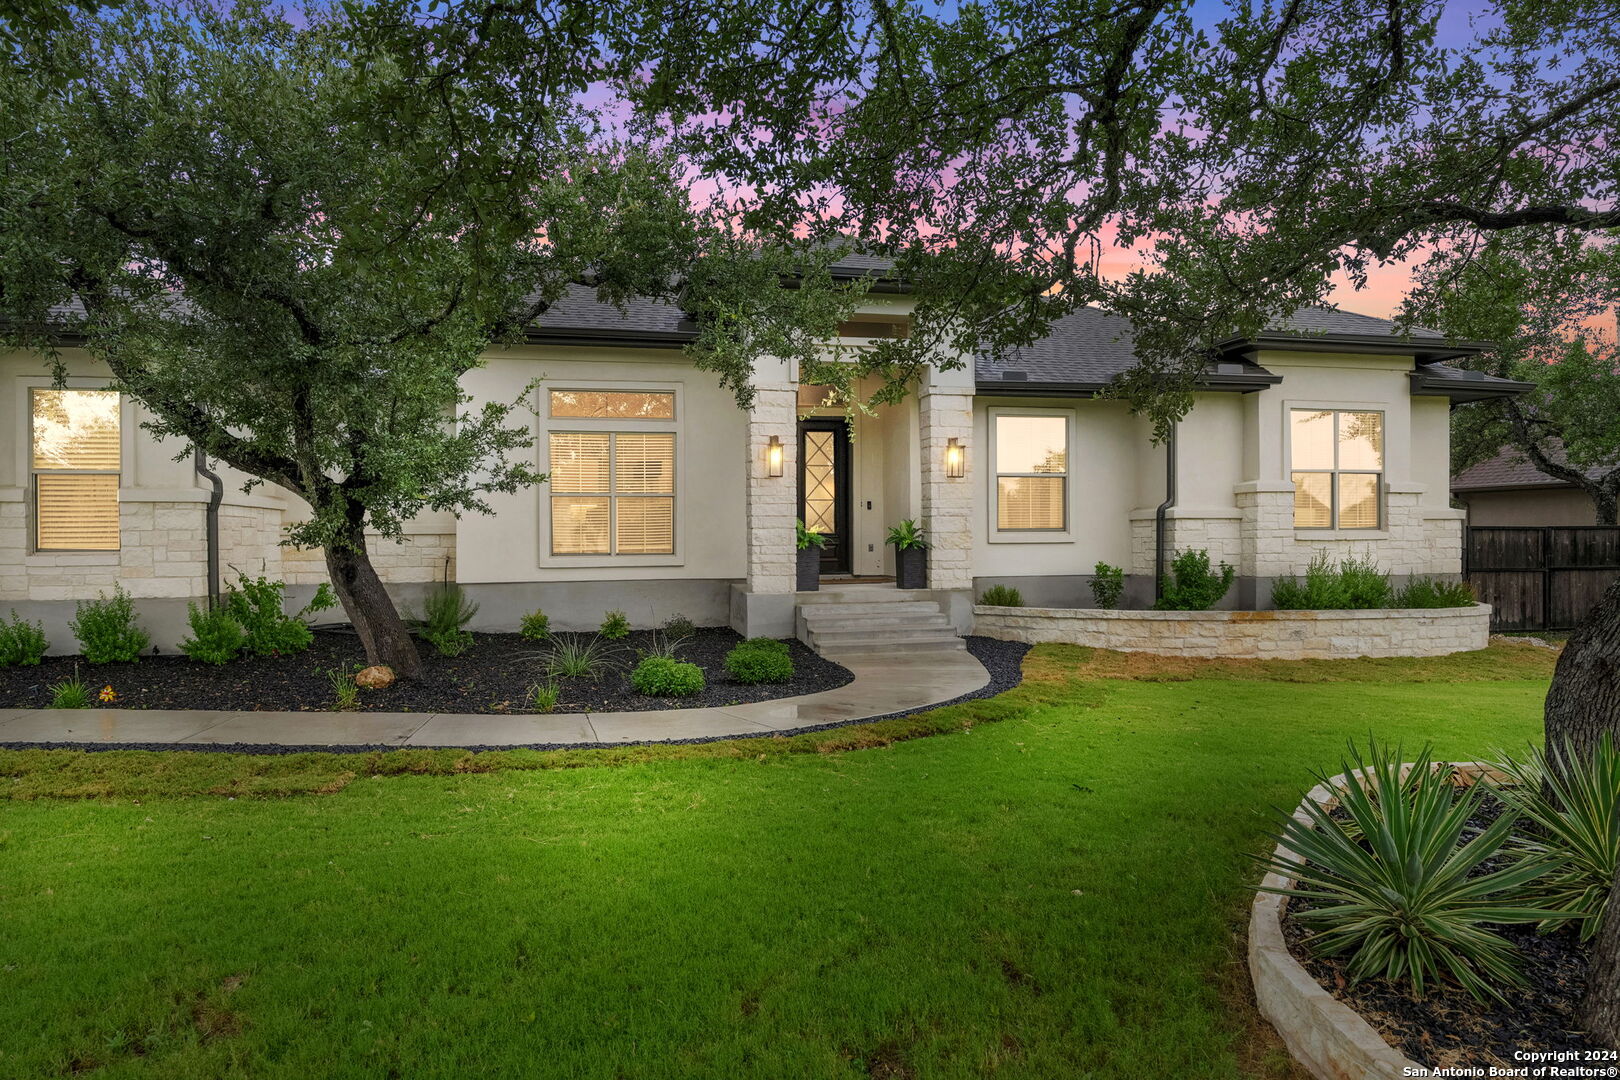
1053	886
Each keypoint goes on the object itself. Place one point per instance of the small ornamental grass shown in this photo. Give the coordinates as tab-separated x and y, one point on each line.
107	630
446	611
216	638
345	691
576	657
70	694
760	660
22	643
659	676
543	697
1395	888
1574	802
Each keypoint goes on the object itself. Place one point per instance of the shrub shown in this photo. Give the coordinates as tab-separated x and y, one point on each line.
1193	586
1394	886
760	660
543	696
256	605
615	627
536	626
1574	802
215	638
1107	585
678	627
1429	593
107	630
22	643
1002	596
70	694
1352	584
573	657
906	535
658	676
446	611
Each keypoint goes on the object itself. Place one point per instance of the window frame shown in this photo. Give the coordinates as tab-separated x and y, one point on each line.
1335	503
31	472
611	426
994	533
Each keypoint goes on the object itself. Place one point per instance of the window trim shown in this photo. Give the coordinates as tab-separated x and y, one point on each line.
1333	528
30	472
608	426
994	533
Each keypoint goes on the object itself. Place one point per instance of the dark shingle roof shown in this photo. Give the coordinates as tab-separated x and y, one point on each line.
1322	320
581	316
1512	469
1088	346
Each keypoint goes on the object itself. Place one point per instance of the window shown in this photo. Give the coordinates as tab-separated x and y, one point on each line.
1032	472
612	492
75	458
1338	468
612	405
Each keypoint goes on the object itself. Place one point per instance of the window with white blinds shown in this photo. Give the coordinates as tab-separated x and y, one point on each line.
75	458
612	492
1032	472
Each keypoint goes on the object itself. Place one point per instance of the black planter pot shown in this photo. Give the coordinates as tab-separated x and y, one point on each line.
809	569
911	568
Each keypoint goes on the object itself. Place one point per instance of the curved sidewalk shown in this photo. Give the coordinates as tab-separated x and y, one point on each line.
883	685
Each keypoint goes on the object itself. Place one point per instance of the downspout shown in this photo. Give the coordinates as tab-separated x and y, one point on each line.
215	495
1163	509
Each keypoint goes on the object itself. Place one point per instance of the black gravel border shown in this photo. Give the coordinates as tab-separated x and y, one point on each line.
1002	659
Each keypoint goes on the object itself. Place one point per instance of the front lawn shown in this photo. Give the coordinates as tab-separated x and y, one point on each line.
1056	894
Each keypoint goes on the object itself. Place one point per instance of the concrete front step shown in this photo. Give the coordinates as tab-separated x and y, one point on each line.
845	653
880	635
889	611
863	594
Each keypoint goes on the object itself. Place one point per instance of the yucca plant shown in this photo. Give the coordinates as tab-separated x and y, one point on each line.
1575	803
577	657
1394	886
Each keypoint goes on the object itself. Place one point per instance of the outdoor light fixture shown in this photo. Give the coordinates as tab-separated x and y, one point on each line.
773	457
955	459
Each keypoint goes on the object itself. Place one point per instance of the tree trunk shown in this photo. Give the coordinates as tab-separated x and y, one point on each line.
1583	704
371	611
1584	700
1600	1013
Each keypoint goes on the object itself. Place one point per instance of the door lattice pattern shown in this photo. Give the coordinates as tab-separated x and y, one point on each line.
820	482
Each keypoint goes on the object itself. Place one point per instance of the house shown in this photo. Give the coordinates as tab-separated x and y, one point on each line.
1326	433
1508	490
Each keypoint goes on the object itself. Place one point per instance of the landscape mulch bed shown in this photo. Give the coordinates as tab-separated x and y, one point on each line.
490	677
1447	1027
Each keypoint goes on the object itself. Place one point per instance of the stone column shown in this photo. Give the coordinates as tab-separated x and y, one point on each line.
763	606
945	412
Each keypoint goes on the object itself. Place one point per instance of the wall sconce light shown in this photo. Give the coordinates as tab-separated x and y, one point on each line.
955	459
773	457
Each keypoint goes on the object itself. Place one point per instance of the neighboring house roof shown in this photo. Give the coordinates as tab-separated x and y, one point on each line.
1511	469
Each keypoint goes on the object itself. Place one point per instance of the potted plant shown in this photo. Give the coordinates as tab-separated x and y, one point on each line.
910	555
809	569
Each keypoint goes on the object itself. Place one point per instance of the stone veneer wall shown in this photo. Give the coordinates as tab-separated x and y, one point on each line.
1417	540
946	413
164	555
1270	635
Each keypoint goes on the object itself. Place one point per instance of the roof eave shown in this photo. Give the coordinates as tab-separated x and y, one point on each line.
633	339
1424	350
1465	390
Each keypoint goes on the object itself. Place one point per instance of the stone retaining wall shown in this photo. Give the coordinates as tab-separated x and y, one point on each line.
1271	635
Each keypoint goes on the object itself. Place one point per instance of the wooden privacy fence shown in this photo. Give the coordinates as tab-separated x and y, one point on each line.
1540	578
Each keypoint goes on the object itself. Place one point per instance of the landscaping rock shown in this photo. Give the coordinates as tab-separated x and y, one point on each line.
376	677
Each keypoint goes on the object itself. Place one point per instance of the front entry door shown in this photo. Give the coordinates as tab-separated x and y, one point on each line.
824	488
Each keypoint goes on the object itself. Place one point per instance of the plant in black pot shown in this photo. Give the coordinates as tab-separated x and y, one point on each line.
910	555
809	568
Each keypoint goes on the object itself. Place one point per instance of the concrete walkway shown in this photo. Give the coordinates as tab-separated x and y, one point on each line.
883	685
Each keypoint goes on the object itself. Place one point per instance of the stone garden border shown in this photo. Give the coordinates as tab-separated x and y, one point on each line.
1266	635
1322	1033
